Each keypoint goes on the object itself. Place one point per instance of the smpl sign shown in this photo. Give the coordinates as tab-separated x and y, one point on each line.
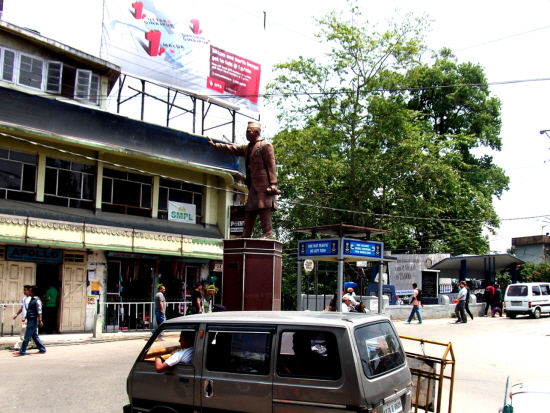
182	212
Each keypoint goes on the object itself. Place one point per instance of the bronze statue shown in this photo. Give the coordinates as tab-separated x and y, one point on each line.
261	178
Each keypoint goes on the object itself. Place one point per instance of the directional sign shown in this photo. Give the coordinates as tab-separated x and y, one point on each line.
360	249
320	248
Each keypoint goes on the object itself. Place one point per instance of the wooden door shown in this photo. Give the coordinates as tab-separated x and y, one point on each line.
13	276
73	303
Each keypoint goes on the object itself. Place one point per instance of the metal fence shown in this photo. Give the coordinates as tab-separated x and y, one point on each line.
135	316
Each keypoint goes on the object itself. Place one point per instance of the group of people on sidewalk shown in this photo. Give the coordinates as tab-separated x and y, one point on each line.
492	296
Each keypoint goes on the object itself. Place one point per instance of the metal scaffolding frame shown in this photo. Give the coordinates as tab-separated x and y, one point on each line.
172	94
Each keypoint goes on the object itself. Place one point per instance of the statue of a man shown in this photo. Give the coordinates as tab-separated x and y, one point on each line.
261	178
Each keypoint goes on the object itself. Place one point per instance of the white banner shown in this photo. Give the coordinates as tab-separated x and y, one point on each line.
408	269
202	46
182	212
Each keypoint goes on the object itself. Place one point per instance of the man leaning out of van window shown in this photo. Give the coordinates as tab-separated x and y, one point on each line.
185	355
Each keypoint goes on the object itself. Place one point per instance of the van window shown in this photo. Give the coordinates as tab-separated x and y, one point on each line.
166	345
545	289
517	291
536	290
379	349
238	352
308	354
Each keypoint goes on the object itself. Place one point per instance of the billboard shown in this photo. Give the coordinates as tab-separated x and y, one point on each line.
208	47
408	270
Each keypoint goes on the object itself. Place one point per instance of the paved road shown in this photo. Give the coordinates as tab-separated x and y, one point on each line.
92	377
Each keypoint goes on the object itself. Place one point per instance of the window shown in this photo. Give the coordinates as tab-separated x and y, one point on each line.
126	193
536	290
517	291
178	191
69	184
50	76
87	86
53	79
242	352
545	289
379	348
309	354
171	345
17	175
30	71
7	59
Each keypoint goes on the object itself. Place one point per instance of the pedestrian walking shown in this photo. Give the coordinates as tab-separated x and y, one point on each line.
416	302
23	312
497	302
467	303
461	302
34	320
488	296
160	307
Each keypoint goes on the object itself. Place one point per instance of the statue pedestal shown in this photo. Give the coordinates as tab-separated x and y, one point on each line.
252	274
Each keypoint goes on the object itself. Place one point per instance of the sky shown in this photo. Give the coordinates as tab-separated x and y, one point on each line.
508	39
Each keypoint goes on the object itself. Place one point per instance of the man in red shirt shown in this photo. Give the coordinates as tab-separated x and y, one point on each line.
488	297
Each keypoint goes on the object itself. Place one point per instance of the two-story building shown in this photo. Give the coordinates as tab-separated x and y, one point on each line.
101	206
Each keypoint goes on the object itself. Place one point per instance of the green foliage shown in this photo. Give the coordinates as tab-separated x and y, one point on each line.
531	272
374	137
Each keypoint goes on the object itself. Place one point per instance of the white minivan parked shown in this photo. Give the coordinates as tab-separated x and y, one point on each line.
531	299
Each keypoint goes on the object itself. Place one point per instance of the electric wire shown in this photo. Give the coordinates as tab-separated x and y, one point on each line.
240	192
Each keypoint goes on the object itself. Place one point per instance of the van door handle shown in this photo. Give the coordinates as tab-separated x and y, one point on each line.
184	380
208	388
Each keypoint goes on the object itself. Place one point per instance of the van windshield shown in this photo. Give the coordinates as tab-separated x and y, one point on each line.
517	291
379	348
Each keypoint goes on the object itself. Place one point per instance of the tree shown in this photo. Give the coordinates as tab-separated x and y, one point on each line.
367	144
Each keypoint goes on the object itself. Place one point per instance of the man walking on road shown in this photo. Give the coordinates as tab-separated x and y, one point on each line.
459	309
416	303
160	306
34	320
23	312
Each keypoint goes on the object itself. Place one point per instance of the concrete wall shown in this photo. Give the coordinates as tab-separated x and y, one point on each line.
444	309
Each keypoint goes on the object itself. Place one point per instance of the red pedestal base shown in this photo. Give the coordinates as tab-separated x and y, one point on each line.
252	273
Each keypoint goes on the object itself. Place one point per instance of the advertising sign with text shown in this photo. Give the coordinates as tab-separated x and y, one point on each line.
207	47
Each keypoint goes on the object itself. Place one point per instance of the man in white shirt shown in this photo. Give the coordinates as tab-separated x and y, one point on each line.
459	309
23	312
185	355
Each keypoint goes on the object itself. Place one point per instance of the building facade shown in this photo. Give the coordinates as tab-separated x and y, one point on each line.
534	249
98	205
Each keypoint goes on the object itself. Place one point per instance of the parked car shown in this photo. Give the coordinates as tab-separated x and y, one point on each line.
531	299
274	362
528	398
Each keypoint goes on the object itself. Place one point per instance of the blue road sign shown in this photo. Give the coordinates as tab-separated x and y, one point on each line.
362	249
321	248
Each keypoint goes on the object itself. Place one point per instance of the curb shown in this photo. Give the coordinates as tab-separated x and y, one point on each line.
73	342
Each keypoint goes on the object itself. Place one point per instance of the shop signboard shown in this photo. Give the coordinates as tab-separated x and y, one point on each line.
14	253
179	212
236	217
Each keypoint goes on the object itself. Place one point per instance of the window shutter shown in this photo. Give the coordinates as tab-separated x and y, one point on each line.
53	81
82	89
8	65
30	71
94	90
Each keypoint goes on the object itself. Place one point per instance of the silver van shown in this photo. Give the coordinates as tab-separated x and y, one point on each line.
291	362
531	299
